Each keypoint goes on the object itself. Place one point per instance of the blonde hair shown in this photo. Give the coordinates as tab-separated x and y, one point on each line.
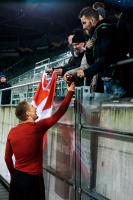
21	110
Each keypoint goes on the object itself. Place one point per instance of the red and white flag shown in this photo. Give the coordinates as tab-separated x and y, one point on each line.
44	95
43	98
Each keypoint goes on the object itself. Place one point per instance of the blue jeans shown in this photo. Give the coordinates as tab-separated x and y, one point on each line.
115	89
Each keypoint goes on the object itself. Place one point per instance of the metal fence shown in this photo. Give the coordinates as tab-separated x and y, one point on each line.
24	86
26	91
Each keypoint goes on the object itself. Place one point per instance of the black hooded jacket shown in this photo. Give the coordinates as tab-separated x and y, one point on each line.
6	95
74	62
105	49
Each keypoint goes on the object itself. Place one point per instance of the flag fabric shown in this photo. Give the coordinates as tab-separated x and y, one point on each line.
43	98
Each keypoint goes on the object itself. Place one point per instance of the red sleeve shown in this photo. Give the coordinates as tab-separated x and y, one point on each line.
8	156
45	124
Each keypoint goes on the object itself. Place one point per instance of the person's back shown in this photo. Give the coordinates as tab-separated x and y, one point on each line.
27	147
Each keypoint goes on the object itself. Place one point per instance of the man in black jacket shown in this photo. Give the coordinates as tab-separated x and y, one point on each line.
105	47
78	45
6	94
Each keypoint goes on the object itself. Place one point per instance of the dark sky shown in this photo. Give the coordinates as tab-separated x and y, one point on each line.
32	24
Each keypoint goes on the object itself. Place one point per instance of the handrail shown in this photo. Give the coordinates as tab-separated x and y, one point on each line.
21	85
47	59
59	60
122	62
18	93
25	84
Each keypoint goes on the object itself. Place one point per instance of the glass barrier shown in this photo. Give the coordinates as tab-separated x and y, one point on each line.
101	111
104	145
56	188
59	155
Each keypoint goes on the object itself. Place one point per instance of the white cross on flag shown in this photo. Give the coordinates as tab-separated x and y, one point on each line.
43	98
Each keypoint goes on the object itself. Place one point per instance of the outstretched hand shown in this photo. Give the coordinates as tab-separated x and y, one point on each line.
80	73
90	44
69	78
58	72
71	87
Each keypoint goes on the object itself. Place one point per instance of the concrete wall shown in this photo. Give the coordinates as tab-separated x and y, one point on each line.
114	177
117	116
115	155
7	120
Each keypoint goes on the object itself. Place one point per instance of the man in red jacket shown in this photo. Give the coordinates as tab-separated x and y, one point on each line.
25	142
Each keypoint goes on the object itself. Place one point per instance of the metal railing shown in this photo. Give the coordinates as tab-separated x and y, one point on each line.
26	91
36	73
24	86
29	75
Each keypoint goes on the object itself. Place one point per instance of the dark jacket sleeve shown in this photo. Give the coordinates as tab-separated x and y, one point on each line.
74	62
103	54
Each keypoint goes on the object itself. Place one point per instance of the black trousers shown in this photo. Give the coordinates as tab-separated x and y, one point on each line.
24	186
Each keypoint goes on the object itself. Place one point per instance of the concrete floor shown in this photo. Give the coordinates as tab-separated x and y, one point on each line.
3	193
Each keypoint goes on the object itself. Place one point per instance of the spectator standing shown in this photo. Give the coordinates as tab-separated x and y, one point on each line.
6	95
105	45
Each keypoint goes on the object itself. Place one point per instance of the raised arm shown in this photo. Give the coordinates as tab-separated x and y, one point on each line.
45	124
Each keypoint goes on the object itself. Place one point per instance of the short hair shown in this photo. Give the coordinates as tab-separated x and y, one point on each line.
97	5
89	12
21	110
